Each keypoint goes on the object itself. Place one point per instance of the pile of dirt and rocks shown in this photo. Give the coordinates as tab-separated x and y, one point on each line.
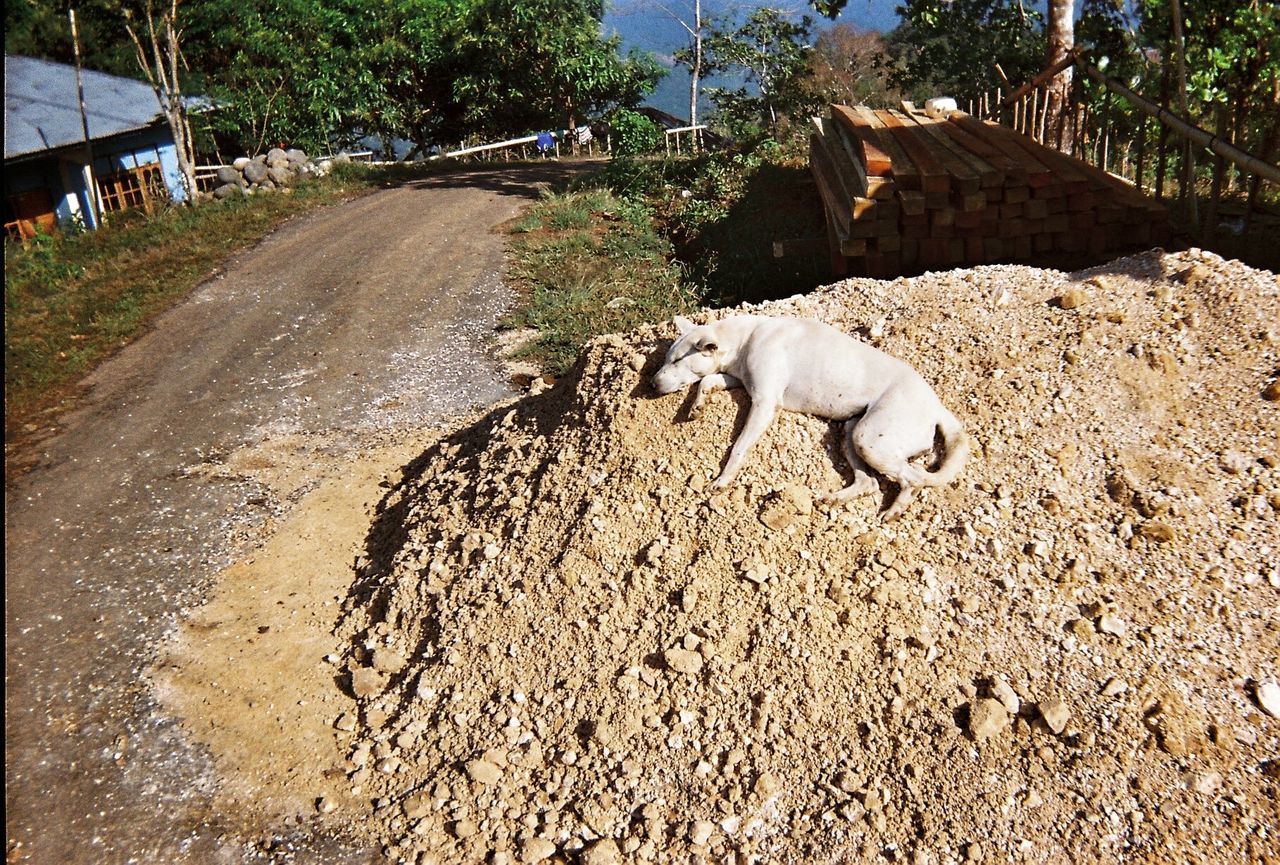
564	647
276	169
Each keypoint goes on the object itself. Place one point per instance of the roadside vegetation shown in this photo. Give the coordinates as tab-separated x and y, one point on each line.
645	239
74	298
589	262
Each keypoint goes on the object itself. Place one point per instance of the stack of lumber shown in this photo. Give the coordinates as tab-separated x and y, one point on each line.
904	192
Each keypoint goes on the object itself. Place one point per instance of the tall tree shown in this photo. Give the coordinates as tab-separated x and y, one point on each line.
844	67
953	48
1061	40
523	64
157	41
772	52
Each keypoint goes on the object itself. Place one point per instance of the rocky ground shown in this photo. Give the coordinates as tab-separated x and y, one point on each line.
560	646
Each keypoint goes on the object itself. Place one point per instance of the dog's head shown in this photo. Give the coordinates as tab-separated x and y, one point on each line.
693	356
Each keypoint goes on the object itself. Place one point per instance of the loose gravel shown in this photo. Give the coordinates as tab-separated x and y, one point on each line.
562	647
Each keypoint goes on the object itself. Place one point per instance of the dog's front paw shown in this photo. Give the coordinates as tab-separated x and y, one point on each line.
720	484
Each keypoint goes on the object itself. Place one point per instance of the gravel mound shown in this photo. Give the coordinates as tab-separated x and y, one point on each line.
565	649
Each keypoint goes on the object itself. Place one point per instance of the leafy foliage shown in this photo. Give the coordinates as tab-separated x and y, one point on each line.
522	64
312	73
772	52
952	48
634	134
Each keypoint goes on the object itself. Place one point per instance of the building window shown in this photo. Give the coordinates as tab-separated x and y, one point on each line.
133	187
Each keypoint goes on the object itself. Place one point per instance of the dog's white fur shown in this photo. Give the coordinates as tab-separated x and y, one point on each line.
806	366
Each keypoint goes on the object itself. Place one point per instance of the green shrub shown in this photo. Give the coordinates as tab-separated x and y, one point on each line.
634	134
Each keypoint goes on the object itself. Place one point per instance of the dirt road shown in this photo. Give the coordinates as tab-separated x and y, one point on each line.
361	320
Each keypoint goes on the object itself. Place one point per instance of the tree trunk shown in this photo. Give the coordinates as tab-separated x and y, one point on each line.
161	69
1187	175
1061	39
695	72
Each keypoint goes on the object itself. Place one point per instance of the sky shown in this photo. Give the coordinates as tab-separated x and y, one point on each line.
651	25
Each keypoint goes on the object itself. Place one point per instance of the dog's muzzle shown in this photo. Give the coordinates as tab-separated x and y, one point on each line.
670	379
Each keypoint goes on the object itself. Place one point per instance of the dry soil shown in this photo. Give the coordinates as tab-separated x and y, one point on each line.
544	638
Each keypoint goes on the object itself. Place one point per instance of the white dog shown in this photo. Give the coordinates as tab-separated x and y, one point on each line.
806	366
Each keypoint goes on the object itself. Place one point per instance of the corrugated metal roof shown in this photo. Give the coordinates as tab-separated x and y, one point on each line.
42	110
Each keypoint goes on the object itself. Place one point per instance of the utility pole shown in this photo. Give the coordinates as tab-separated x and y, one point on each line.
90	181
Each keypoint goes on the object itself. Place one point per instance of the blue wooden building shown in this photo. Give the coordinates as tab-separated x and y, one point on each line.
48	175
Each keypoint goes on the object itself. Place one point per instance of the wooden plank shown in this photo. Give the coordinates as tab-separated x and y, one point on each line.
881	188
934	175
912	201
889	243
969	172
850	172
1118	189
854	247
1048	179
835	199
841	138
877	209
839	264
905	172
1011	169
1072	179
874	160
1038	174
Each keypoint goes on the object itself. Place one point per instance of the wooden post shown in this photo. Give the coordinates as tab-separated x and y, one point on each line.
1044	117
1163	136
91	181
1142	150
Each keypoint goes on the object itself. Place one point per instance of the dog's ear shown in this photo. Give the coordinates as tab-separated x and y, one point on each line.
706	345
683	324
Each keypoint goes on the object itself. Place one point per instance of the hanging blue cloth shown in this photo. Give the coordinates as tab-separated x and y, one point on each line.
546	141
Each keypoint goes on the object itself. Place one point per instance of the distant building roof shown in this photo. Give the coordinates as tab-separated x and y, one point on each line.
42	110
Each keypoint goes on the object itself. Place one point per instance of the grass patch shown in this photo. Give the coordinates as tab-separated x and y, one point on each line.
588	263
723	211
646	239
73	299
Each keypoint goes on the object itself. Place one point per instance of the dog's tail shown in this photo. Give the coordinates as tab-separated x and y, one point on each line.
957	445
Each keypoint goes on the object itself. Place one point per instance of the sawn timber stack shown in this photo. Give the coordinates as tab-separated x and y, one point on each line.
904	192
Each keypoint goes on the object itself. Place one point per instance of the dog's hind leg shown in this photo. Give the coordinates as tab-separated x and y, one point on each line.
906	495
863	482
887	445
707	386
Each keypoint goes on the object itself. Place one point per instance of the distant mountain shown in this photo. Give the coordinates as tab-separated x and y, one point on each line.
649	26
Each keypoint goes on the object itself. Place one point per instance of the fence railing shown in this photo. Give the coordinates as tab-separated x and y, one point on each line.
1151	147
693	133
526	147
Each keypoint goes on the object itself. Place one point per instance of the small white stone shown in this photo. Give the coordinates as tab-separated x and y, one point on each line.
700	832
1055	714
1114	687
1110	624
1001	690
1207	783
1269	698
